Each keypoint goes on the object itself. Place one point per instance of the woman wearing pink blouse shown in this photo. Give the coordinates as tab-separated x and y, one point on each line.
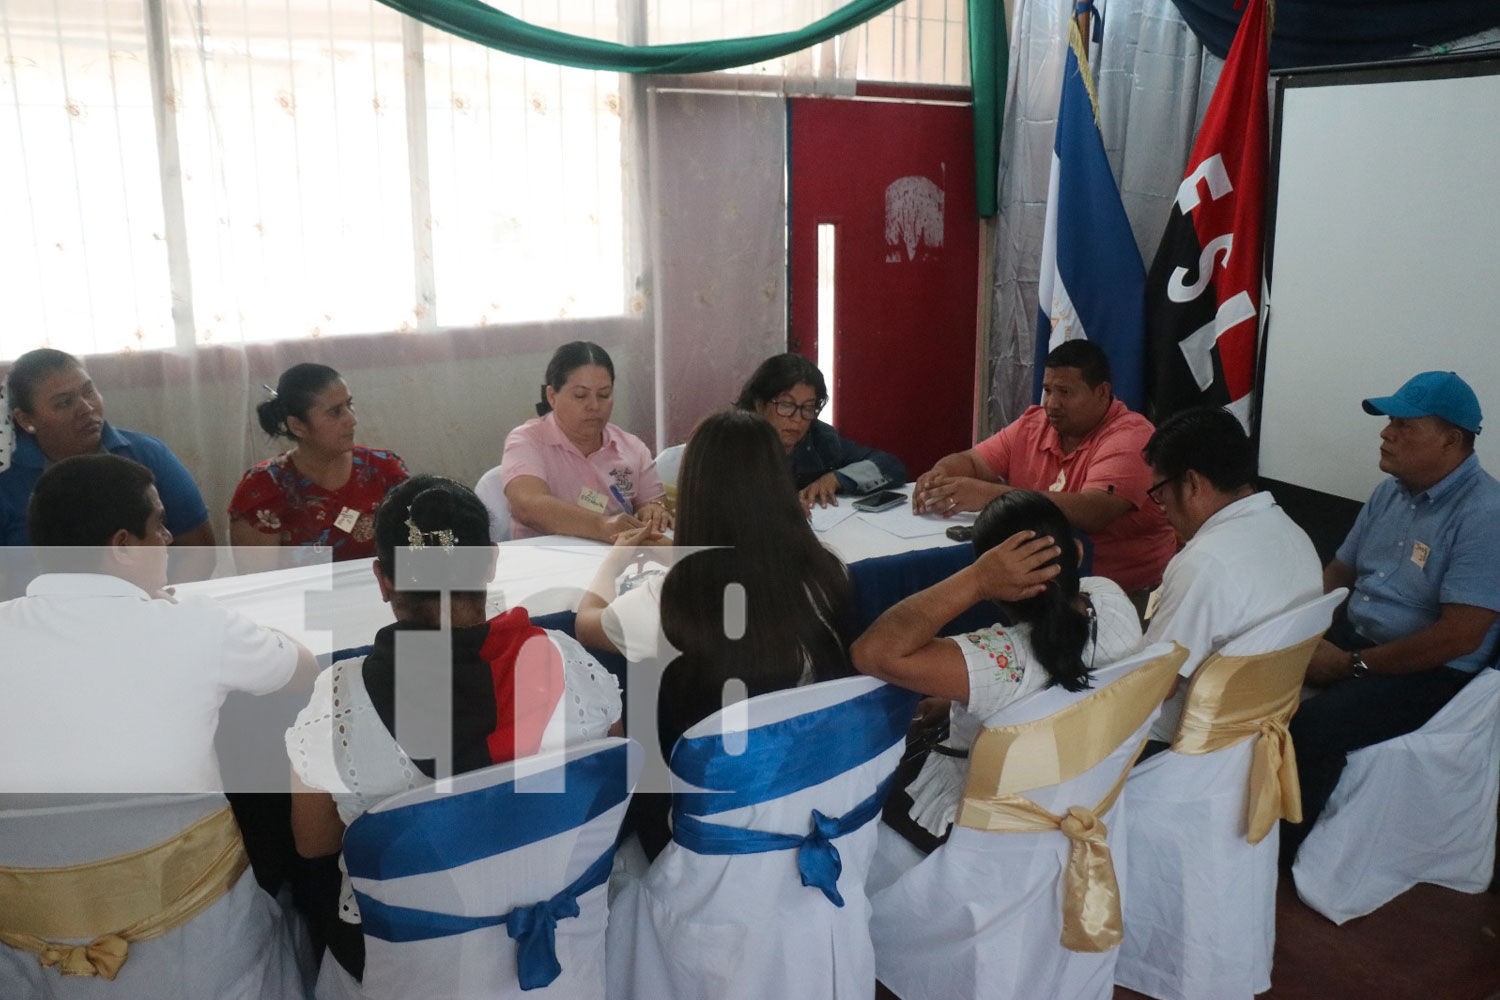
572	472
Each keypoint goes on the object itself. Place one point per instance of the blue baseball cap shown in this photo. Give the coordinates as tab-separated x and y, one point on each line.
1431	394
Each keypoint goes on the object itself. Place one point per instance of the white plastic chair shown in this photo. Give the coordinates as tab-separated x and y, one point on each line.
491	489
1418	808
1200	902
241	947
791	920
981	916
494	888
667	464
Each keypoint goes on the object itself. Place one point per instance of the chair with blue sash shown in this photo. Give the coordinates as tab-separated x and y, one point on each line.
495	887
762	891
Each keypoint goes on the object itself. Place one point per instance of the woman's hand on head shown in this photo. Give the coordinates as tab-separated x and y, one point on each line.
1019	567
821	491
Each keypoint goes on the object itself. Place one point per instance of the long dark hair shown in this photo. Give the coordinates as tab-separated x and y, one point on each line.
296	391
734	491
438	515
776	375
1060	632
565	359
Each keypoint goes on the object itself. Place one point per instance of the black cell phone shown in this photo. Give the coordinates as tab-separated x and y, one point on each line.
960	532
884	500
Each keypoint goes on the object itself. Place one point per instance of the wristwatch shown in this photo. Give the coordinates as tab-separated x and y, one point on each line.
1358	665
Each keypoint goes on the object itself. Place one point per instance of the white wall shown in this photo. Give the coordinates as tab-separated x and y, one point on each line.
1386	263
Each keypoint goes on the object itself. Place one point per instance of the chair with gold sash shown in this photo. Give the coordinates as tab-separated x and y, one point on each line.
1022	899
1200	899
136	897
1418	808
762	891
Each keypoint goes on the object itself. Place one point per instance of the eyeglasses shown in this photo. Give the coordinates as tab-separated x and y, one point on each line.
1155	492
809	410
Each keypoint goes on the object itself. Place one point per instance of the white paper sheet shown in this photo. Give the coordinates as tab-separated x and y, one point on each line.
825	518
902	523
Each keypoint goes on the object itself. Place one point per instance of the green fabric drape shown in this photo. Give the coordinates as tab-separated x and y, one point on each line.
989	65
989	55
479	22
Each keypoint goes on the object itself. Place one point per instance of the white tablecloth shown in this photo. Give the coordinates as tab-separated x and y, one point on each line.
337	606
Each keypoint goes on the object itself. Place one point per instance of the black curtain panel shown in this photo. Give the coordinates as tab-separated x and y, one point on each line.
1332	32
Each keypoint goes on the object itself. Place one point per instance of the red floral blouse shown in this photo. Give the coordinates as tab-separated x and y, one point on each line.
275	498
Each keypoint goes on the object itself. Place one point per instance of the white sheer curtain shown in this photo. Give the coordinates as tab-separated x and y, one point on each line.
721	308
200	193
1154	83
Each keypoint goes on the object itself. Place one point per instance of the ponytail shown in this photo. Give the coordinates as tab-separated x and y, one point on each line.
271	414
1061	635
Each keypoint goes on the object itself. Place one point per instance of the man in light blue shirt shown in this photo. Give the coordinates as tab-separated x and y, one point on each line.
1423	615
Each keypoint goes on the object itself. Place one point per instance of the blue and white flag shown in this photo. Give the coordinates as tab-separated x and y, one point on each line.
1091	283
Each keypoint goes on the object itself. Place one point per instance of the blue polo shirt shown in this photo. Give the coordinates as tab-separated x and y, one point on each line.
1413	553
179	494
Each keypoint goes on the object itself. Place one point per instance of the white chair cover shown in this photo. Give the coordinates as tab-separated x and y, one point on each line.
241	947
745	926
446	879
1419	808
981	916
491	489
667	464
1200	902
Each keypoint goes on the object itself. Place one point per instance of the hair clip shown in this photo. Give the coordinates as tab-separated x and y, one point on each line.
268	389
416	538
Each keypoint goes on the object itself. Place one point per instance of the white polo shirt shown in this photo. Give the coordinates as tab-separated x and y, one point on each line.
103	689
1247	563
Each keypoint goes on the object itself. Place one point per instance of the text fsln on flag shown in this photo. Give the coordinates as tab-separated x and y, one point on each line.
1203	292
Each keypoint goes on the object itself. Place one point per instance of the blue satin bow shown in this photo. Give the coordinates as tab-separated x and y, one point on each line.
533	927
818	860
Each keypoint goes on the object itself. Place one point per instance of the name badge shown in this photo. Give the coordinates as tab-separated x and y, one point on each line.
347	519
1419	554
1152	602
592	500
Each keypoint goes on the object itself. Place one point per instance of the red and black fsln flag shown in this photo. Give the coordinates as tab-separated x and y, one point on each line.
1203	290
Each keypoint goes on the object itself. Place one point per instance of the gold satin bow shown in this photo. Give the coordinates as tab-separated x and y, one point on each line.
1051	751
1236	698
142	895
102	957
1091	896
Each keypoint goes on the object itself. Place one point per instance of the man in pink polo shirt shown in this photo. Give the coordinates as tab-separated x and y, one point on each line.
1083	447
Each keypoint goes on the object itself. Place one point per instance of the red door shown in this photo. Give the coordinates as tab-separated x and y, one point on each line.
896	181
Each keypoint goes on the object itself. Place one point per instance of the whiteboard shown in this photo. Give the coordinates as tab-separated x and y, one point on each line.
1385	261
